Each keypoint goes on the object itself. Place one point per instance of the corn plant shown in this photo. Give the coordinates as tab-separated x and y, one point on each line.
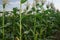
4	4
21	1
20	23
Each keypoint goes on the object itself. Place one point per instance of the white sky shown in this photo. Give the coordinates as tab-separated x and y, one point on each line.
15	3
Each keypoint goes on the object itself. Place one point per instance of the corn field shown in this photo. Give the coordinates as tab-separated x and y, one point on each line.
34	24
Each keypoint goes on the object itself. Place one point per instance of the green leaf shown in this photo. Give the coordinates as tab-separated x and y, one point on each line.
33	9
23	1
15	10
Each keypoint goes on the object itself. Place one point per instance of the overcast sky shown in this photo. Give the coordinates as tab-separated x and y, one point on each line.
15	3
10	5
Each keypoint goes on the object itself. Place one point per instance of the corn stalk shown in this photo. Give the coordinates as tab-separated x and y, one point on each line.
3	20
20	22
4	4
34	5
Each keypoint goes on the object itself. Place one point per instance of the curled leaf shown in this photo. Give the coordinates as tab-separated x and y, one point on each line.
23	1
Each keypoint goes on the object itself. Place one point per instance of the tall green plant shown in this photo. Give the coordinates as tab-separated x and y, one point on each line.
3	19
4	4
34	30
21	1
20	22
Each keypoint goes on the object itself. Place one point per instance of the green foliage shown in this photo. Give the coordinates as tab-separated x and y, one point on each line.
23	1
36	26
